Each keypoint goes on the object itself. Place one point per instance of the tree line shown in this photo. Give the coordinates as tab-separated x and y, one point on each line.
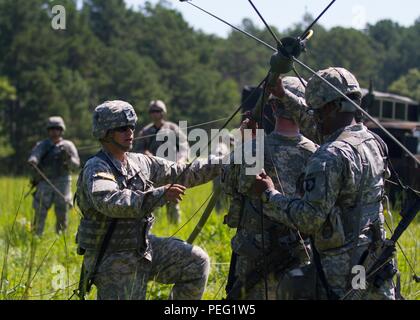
109	51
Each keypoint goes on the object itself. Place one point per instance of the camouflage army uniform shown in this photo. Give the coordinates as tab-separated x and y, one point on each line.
109	190
146	141
286	255
341	207
56	161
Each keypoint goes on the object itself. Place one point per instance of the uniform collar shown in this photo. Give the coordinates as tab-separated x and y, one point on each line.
278	137
52	142
128	171
162	126
351	128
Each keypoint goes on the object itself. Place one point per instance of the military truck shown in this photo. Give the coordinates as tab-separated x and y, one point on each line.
401	117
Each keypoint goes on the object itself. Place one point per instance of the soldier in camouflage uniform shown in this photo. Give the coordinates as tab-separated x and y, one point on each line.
343	188
286	153
148	143
56	158
116	192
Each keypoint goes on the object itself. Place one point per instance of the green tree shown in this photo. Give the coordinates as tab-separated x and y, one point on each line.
7	95
408	85
398	50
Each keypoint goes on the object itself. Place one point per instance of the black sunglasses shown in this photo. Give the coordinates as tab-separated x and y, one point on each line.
155	111
124	128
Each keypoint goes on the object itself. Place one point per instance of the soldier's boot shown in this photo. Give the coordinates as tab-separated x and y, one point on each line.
173	213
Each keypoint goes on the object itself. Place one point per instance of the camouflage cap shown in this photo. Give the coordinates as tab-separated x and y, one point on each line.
295	86
318	93
112	114
157	105
56	122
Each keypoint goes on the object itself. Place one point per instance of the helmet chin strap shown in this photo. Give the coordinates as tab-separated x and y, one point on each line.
119	146
111	140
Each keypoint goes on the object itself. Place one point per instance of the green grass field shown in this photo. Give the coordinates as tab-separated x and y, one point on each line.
48	268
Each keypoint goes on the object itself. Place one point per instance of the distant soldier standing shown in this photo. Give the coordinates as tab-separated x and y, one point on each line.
285	264
149	143
56	158
117	191
343	190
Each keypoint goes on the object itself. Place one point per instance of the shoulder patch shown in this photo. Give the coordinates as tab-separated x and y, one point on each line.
105	175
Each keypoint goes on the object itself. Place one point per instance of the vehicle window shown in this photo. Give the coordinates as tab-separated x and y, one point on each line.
374	109
413	113
400	111
387	109
417	134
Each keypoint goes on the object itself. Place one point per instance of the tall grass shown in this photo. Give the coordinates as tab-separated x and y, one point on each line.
49	267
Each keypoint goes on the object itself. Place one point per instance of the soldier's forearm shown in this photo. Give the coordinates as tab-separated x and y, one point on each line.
127	203
277	204
74	162
295	213
199	172
295	105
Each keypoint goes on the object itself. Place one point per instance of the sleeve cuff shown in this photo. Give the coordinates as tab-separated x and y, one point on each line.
158	194
269	194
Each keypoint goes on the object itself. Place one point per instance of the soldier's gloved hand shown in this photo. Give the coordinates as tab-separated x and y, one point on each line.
248	124
32	162
278	90
174	192
262	183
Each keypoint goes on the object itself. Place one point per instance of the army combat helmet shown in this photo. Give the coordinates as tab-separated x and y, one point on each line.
318	93
112	114
157	105
56	122
295	86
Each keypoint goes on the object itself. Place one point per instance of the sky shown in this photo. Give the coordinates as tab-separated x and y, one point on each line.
284	14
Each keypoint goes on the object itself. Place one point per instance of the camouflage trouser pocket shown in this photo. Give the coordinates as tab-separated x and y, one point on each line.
120	276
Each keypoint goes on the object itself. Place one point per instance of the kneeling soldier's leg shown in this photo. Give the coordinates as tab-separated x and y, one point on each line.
121	275
186	266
